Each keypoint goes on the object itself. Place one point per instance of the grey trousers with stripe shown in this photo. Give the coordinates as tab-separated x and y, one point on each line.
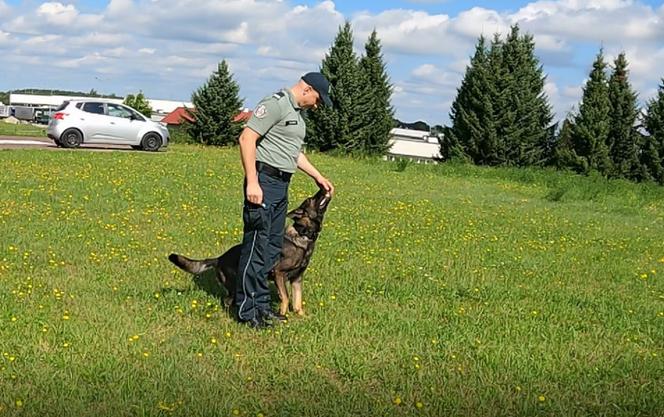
261	246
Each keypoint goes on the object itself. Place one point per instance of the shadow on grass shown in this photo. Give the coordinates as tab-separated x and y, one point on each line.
207	281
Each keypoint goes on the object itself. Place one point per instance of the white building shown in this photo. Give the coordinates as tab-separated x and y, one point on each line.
417	145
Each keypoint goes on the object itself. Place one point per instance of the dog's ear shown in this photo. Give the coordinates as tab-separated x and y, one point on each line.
298	213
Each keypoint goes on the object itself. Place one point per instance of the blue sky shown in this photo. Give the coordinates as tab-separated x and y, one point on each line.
168	48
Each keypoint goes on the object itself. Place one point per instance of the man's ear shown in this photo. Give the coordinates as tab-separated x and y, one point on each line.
296	214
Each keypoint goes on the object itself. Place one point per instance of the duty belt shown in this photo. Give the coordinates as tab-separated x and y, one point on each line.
272	171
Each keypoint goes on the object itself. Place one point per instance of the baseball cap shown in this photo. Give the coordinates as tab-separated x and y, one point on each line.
319	83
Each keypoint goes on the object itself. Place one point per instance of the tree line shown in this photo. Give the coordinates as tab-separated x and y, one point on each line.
501	115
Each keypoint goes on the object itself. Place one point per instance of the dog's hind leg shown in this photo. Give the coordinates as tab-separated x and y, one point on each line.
297	297
280	282
228	299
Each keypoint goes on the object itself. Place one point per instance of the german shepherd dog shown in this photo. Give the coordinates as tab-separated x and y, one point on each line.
299	243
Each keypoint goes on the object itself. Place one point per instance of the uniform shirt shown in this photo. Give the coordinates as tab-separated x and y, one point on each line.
278	121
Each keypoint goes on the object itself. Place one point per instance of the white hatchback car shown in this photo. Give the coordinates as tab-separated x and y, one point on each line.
101	122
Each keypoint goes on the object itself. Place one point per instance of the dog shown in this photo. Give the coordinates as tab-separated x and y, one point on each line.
298	247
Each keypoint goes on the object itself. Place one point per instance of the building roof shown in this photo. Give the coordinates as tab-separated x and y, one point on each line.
243	116
177	116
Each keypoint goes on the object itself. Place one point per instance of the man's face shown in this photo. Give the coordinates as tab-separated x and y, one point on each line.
311	98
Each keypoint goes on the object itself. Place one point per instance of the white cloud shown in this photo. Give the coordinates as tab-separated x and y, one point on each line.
58	13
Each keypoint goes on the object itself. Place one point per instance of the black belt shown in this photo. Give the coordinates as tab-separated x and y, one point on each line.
272	171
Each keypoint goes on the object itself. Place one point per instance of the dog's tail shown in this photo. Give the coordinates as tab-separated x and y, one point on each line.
192	266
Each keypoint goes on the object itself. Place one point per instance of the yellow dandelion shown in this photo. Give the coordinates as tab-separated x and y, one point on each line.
19	403
213	341
228	334
236	412
163	406
397	400
419	404
541	398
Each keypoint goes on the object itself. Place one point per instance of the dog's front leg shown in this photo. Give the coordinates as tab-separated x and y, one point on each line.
297	297
280	282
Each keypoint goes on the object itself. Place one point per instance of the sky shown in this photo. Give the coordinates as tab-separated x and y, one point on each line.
169	48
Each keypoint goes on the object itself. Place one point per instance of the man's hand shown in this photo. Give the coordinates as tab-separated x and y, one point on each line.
254	193
325	184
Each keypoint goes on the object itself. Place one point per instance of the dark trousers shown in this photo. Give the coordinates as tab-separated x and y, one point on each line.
261	245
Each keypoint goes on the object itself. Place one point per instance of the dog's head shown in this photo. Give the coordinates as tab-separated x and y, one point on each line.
308	218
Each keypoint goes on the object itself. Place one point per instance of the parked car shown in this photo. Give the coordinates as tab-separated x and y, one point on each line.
101	122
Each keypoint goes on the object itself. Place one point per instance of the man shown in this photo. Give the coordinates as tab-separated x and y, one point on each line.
270	147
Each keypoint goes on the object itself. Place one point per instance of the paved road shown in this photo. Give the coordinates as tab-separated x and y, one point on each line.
19	142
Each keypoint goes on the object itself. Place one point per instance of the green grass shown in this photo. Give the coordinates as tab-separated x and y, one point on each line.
8	129
466	291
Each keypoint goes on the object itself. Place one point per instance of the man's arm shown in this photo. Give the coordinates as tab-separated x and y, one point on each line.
248	139
304	165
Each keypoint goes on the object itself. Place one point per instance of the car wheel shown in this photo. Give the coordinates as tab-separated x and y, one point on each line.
151	142
71	138
136	147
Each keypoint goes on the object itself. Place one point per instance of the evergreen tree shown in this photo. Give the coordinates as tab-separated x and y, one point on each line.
591	124
380	114
525	116
501	115
564	155
344	127
216	104
471	135
652	153
623	138
137	102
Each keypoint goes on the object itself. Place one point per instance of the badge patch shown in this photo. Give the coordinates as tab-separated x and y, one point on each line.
291	122
260	111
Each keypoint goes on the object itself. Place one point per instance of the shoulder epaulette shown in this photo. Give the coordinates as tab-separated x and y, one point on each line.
279	95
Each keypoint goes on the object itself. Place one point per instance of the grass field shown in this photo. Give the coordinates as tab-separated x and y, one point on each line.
434	291
9	129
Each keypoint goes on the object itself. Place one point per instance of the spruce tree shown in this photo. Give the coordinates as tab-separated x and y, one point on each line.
344	127
471	134
525	116
623	138
564	155
652	153
380	115
216	104
591	124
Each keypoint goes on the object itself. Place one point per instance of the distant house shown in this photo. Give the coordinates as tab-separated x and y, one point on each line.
177	117
180	115
418	145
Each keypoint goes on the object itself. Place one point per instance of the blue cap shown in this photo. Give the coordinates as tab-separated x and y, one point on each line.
318	82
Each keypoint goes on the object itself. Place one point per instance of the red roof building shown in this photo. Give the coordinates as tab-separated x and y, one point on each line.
180	115
177	116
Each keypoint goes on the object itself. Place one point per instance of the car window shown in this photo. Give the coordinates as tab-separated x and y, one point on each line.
118	111
138	116
79	105
96	108
62	106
